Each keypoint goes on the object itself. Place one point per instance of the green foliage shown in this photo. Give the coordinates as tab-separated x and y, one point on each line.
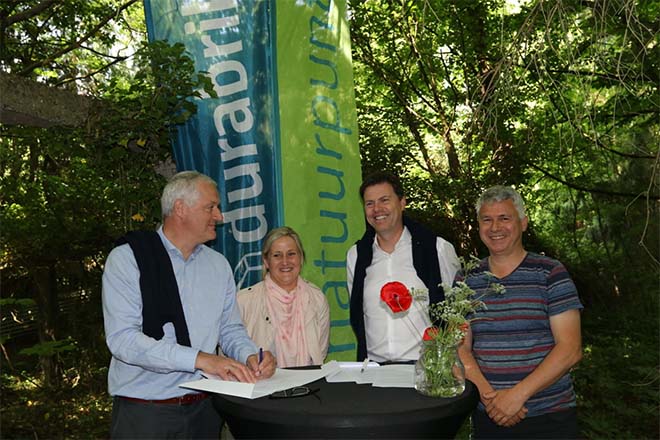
80	408
50	348
62	41
75	190
617	382
69	192
559	99
22	302
456	96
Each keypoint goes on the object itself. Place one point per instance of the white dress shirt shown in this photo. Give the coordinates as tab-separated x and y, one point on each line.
397	337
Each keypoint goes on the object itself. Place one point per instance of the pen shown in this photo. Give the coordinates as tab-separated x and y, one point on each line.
364	365
261	355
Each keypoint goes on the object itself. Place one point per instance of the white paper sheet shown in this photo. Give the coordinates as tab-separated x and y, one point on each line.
394	376
281	380
350	372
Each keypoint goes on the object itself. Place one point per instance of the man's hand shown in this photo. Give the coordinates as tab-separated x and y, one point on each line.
266	368
487	396
505	407
227	369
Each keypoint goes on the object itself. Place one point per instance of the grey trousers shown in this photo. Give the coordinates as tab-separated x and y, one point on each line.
136	420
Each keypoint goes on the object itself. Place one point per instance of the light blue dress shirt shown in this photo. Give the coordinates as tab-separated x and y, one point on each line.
146	368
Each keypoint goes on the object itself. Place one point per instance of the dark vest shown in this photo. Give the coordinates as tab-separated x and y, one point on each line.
161	302
425	261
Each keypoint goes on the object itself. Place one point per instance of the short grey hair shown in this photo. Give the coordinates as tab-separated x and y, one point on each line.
276	234
500	193
182	186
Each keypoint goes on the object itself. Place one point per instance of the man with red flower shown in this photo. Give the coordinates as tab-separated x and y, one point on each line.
520	347
393	249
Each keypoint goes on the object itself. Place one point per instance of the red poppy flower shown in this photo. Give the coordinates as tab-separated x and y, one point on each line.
430	333
396	296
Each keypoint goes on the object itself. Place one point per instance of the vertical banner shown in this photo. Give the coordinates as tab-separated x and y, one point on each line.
319	144
231	138
281	138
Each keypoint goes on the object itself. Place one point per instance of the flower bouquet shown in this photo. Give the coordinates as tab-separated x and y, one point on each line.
439	371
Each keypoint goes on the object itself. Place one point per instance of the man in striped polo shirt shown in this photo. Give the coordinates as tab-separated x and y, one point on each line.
520	348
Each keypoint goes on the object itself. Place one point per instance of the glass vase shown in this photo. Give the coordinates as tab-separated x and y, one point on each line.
439	371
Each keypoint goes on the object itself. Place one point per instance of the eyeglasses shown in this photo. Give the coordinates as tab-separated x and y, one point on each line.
293	392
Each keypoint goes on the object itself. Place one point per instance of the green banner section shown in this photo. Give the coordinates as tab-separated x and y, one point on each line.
319	148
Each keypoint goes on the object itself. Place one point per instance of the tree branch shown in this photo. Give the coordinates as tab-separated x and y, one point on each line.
593	190
588	73
27	14
76	44
649	209
92	73
429	81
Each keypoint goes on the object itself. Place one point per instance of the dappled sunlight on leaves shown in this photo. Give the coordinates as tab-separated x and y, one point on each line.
30	411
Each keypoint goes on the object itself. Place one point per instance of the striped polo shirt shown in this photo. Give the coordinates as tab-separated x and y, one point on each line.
512	335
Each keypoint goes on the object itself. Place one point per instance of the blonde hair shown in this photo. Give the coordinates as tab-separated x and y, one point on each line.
276	234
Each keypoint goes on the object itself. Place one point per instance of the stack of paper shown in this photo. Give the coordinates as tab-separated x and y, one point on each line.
348	371
394	376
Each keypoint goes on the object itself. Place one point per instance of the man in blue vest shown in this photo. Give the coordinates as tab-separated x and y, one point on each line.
394	248
169	301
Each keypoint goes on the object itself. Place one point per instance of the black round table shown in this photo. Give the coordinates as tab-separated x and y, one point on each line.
348	410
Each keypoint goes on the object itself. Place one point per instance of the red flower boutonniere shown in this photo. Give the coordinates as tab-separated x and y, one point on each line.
396	296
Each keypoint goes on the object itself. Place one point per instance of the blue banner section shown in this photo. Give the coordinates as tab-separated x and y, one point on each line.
232	138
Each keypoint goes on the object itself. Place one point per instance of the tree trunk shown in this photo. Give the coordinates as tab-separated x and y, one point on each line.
45	279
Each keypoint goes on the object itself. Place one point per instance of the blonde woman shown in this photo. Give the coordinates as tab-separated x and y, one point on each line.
284	313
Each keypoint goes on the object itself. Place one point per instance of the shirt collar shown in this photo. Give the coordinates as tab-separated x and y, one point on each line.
171	249
405	237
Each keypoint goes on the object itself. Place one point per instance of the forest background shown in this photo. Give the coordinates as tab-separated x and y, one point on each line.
559	99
